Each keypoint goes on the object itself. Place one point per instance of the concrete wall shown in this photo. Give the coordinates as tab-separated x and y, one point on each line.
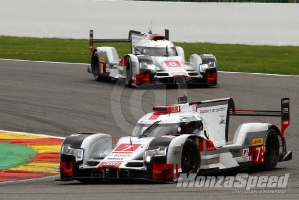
239	23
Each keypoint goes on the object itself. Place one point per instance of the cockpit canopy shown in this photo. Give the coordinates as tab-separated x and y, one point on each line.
156	51
151	47
167	128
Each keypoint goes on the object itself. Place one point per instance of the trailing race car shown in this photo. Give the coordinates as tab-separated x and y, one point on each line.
180	138
153	59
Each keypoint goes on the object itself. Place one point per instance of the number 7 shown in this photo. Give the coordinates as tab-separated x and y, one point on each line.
258	154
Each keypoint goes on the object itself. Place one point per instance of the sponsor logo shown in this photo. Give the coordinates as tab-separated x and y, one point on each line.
285	101
114	164
125	155
213	160
241	180
210	148
115	158
204	111
285	110
235	151
176	153
257	141
102	59
175	108
213	110
222	121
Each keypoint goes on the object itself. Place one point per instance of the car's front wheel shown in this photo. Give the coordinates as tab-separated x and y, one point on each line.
129	73
190	160
95	67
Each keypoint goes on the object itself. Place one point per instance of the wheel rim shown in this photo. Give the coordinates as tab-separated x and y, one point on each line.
189	159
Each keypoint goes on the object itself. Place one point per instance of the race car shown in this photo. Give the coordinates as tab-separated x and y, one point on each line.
153	60
179	138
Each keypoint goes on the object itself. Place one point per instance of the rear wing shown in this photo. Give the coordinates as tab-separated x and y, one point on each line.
284	113
92	40
133	38
217	112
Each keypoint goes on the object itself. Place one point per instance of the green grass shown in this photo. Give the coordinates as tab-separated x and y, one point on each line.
236	58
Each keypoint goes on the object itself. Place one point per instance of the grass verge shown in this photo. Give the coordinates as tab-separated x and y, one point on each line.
230	57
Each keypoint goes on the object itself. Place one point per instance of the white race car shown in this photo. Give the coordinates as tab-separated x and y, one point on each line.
180	138
153	59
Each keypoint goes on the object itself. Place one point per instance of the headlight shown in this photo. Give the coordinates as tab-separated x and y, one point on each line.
151	67
148	154
78	153
203	67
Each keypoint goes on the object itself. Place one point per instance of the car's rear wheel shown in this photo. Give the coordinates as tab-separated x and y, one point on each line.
95	67
271	154
190	159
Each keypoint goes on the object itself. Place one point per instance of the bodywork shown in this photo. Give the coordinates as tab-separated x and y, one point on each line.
154	150
153	60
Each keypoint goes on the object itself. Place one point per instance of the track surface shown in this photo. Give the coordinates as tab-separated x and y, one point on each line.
60	99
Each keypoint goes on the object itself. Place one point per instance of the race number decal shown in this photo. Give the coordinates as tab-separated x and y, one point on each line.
126	148
175	68
172	63
257	154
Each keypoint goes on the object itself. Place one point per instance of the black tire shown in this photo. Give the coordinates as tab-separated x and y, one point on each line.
190	159
129	73
95	68
271	153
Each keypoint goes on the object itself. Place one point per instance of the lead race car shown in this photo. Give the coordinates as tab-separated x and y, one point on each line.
153	60
180	138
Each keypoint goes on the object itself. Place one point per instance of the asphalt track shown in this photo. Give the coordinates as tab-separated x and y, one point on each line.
60	99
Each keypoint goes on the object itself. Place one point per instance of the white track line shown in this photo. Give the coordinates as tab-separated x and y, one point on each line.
66	63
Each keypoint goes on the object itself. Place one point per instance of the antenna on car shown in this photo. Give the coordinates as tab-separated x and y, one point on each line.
150	31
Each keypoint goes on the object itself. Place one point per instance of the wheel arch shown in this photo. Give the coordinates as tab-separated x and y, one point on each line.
176	145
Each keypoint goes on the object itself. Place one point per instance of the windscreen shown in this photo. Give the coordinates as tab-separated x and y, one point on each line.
161	129
156	51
